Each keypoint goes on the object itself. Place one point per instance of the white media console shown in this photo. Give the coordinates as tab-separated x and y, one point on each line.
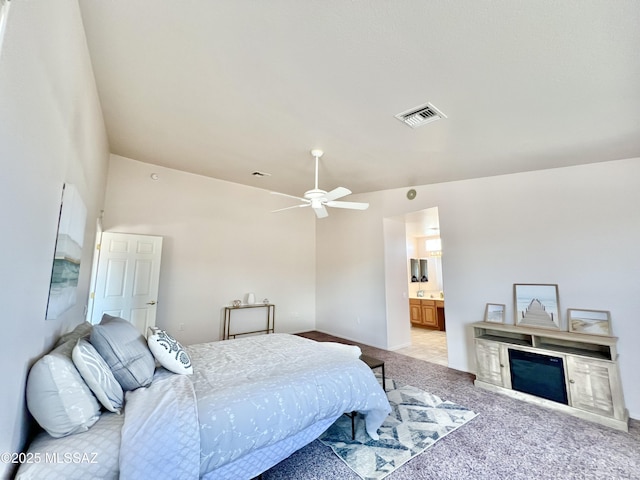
585	366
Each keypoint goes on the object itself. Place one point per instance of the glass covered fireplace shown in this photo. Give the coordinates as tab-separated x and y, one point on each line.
539	375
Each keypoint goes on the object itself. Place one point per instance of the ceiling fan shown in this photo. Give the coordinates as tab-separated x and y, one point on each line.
319	199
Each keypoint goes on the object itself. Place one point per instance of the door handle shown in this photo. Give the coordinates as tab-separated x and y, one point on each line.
152	302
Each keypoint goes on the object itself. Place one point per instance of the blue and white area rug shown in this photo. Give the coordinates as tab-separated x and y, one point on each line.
417	421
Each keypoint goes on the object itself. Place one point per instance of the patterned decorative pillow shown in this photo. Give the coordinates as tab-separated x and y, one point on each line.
97	374
168	352
57	396
125	350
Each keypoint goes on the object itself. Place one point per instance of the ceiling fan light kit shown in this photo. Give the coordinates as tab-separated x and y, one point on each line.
319	199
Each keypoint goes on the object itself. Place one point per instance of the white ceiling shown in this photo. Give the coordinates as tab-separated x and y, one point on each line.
422	223
223	88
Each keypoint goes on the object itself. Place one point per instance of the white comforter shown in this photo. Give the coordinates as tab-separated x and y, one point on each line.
160	437
255	391
252	397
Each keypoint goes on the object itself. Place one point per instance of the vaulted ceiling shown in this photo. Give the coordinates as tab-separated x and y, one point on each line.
227	87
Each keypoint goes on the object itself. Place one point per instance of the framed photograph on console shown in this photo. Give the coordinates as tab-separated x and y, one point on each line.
592	322
494	313
536	305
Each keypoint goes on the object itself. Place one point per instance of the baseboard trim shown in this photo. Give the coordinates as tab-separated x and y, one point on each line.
398	347
622	425
350	339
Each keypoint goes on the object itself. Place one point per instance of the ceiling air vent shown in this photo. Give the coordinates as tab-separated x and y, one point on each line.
421	115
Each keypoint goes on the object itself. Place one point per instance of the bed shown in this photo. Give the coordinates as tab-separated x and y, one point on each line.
249	403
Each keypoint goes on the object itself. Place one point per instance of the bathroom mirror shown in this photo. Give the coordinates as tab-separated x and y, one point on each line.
419	271
424	272
415	270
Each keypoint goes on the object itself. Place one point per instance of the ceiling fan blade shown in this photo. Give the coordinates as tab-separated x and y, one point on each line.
321	212
337	193
289	208
318	199
351	205
290	196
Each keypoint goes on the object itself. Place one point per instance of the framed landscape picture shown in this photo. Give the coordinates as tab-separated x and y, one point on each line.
592	322
68	253
536	305
494	313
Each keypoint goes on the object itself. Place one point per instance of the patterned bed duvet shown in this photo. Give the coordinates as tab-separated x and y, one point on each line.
249	403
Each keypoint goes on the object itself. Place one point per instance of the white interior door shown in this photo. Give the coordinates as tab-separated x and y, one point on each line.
127	277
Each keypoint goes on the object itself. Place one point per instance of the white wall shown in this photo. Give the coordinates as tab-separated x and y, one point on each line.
396	274
220	242
577	227
51	132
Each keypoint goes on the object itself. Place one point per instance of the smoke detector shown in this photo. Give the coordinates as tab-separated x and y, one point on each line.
421	115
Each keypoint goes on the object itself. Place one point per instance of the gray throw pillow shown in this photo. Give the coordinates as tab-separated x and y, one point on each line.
82	330
125	350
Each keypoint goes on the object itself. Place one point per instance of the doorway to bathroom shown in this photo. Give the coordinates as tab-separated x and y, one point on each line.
425	288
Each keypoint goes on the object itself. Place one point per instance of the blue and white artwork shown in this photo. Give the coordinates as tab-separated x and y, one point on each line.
537	305
68	253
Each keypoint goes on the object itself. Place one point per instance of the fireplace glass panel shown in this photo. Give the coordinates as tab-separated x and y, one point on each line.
539	375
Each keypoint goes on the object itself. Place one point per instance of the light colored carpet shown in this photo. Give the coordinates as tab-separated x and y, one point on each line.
418	420
509	439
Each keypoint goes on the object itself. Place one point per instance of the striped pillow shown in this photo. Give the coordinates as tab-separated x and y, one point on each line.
98	376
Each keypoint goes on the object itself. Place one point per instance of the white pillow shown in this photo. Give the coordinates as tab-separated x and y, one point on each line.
57	397
168	352
97	375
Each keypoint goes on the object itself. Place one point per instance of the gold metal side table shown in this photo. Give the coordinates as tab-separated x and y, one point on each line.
270	320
